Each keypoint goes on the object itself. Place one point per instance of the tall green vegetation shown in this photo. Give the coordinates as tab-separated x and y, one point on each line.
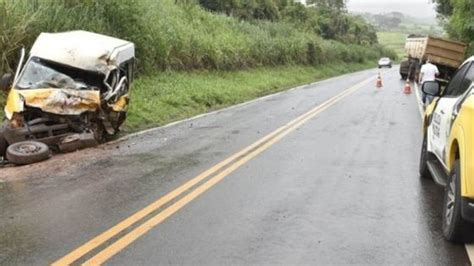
246	9
458	16
331	4
181	35
326	18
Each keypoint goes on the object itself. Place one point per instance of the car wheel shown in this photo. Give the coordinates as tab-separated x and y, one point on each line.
455	228
27	152
424	157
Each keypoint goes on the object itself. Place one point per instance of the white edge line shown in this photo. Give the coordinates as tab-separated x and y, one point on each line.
418	99
469	247
143	132
470	252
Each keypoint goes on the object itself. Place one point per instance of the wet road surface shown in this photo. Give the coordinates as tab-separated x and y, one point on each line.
342	188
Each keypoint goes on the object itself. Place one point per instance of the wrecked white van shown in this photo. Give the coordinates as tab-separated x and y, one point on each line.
72	93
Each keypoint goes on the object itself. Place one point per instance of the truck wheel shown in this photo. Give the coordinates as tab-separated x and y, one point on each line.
455	228
424	156
27	152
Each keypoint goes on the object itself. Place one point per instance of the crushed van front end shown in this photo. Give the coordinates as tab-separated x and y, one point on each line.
72	98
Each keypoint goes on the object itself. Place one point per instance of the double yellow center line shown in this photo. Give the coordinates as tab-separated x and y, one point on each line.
213	175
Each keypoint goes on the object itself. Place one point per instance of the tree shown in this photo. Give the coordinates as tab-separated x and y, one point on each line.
461	24
459	19
296	13
225	6
326	18
444	8
283	4
247	9
266	9
339	5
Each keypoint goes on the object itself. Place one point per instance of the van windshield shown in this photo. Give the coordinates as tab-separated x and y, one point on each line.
40	73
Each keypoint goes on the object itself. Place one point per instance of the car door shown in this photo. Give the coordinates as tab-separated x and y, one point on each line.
446	109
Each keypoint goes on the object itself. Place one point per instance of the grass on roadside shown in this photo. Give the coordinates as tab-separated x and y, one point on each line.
395	41
170	96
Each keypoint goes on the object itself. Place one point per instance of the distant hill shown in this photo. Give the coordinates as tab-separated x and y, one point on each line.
399	22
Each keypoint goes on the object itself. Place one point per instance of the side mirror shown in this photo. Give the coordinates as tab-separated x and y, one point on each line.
6	82
431	88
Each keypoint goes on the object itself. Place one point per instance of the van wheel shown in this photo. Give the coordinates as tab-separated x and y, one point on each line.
3	143
3	146
27	152
424	157
5	82
455	228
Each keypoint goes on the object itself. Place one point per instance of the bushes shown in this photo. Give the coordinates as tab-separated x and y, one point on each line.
173	36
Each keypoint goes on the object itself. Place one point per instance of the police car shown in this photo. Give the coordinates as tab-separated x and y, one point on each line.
447	153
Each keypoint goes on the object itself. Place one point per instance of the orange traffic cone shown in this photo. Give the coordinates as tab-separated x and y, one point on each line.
379	83
407	89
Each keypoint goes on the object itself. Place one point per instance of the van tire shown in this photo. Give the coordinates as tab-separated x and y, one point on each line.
3	146
27	152
5	82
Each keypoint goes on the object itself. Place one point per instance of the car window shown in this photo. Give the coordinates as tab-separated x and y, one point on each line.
468	79
457	86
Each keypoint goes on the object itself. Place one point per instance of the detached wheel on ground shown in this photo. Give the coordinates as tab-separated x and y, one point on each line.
455	228
424	157
27	152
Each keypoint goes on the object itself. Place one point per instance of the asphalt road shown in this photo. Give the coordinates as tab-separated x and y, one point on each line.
332	181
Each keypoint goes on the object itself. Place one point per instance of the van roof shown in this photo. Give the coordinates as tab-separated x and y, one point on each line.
84	50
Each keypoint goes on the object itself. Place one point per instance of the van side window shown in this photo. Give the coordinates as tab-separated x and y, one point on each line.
459	84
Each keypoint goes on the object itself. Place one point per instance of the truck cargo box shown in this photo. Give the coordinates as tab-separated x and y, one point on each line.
440	51
447	55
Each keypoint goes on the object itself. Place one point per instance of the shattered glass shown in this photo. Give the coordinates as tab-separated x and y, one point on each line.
38	74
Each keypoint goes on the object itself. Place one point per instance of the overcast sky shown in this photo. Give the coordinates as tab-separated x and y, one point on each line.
416	8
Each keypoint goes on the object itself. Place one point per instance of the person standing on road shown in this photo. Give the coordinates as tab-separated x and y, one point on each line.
428	72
